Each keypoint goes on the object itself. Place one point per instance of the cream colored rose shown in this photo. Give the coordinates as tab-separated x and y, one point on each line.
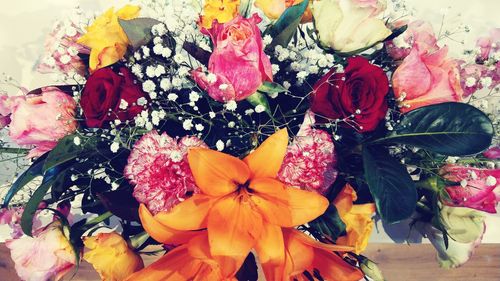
348	26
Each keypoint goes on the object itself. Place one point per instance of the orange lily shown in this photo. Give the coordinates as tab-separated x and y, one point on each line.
191	261
306	254
242	204
358	219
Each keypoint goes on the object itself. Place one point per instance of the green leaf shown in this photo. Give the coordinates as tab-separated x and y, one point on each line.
272	89
138	30
32	206
390	184
260	99
35	170
454	129
285	27
65	151
330	225
245	7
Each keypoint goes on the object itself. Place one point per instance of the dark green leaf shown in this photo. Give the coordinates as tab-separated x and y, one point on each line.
455	129
65	151
138	30
390	184
285	27
32	206
330	225
396	32
248	271
35	170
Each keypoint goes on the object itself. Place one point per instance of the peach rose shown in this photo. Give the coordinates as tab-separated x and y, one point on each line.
426	78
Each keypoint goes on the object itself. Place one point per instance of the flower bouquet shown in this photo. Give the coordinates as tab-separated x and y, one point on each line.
226	136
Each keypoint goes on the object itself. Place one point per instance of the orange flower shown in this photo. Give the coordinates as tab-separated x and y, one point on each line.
358	219
242	204
302	253
191	261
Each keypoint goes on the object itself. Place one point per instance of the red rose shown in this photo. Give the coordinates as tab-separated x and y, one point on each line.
357	95
103	94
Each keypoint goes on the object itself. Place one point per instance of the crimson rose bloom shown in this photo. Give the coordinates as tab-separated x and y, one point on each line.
103	94
359	92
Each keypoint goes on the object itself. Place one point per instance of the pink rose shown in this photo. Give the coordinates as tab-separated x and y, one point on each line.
493	152
41	120
45	256
476	189
419	34
425	78
377	6
238	65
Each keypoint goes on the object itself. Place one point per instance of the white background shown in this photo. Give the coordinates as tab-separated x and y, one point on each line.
24	25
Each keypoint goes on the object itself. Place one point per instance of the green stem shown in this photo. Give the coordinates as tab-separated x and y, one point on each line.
99	219
14	150
136	241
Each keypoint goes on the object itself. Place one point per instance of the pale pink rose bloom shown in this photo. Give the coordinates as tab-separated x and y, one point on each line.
238	65
6	105
159	168
310	159
12	218
475	189
488	45
419	33
45	256
426	78
42	120
61	50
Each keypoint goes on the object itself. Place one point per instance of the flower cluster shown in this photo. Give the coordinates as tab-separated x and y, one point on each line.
219	130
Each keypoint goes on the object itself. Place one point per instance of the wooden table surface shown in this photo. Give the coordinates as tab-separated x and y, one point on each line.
399	262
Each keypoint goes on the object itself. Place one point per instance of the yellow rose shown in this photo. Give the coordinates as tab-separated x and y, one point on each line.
111	257
349	25
274	8
220	10
106	38
357	218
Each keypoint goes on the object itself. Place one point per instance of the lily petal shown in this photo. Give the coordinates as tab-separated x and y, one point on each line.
191	214
266	160
216	173
233	227
161	232
270	249
270	199
305	206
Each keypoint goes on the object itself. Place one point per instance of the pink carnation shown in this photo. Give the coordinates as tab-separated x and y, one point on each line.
310	160
159	168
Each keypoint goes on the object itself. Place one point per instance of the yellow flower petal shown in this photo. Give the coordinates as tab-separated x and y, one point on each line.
233	226
357	218
128	12
216	173
221	10
161	232
266	160
191	214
